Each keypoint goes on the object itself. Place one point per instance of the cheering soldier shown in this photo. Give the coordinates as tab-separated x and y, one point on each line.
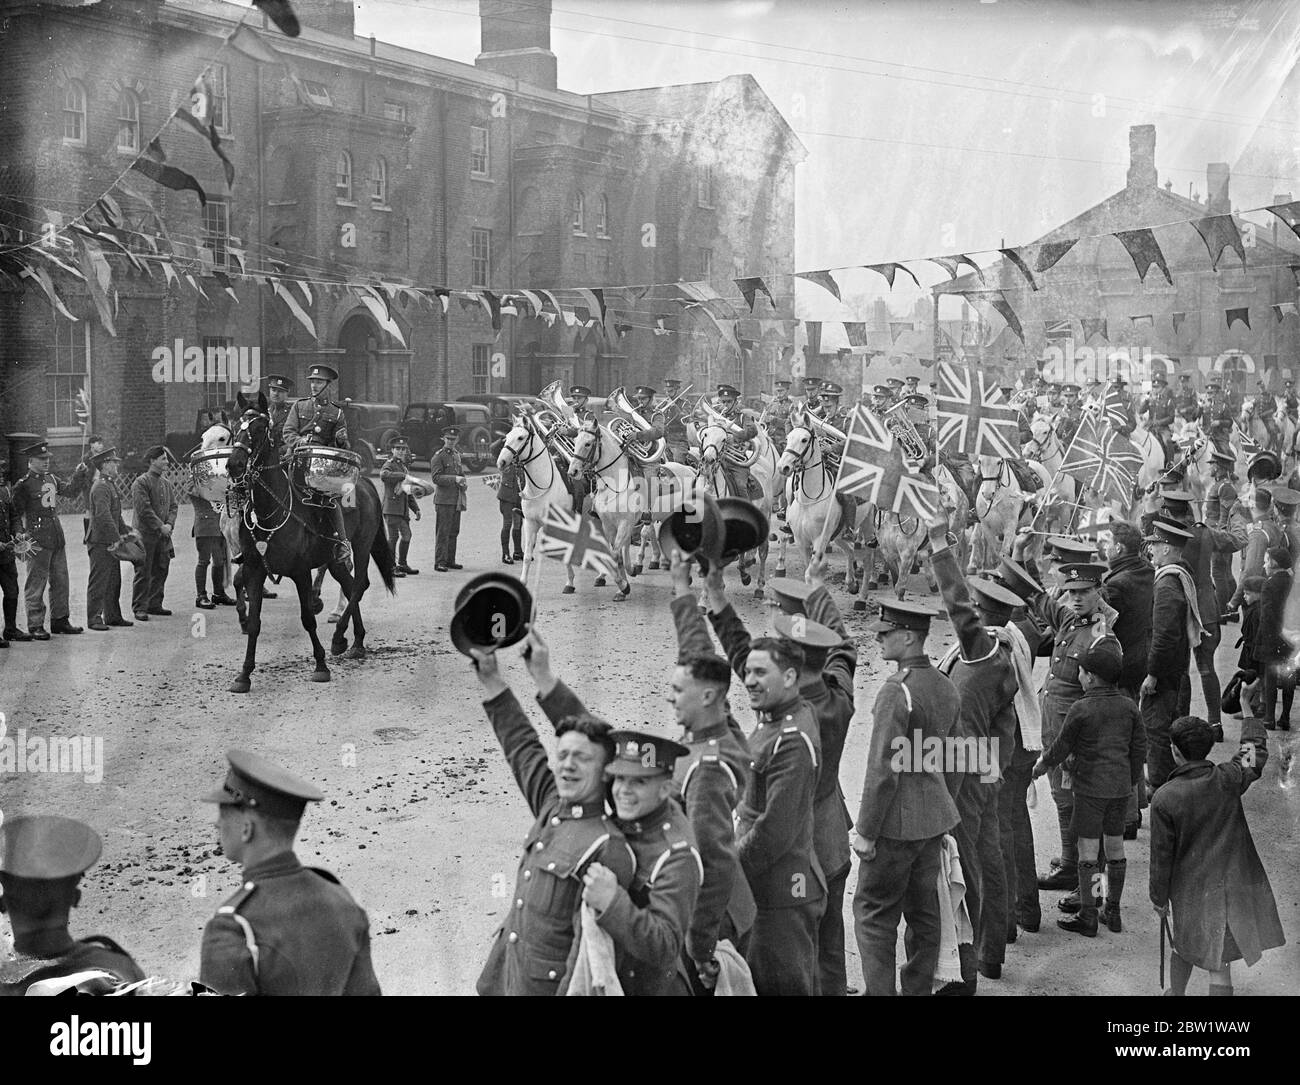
35	505
399	506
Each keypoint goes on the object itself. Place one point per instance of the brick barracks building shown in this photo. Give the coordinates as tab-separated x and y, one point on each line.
378	161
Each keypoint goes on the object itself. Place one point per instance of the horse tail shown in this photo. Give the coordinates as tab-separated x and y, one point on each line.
382	554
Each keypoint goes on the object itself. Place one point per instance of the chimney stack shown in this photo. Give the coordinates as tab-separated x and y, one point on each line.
1142	156
1216	188
515	38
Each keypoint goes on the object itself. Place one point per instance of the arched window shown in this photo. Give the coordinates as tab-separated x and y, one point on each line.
343	177
378	182
74	113
128	121
579	214
602	217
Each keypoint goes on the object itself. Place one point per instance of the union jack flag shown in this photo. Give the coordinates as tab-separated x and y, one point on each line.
1103	460
571	538
1115	408
973	415
872	469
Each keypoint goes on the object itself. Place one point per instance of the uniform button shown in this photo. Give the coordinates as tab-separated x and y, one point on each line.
551	974
550	866
667	826
513	937
527	874
519	903
539	846
248	885
555	820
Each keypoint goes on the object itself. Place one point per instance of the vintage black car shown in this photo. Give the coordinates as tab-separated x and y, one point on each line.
501	406
370	425
423	423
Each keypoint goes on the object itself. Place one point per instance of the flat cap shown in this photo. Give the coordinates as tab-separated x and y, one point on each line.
640	753
805	632
1284	495
1083	575
996	601
1067	549
900	614
257	784
1165	530
1016	578
791	594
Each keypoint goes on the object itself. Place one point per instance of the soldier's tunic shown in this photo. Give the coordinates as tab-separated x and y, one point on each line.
54	954
316	420
1218	417
1187	404
778	421
289	930
1067	425
536	945
907	815
8	563
673	424
1167	662
448	498
985	677
1222	510
104	589
279	414
35	501
1160	410
581	487
398	506
739	480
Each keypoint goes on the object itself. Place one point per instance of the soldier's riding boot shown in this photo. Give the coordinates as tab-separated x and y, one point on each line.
11	630
339	534
404	548
1115	872
1085	922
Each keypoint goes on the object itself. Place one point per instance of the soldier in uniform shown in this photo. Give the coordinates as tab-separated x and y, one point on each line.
831	411
811	386
648	919
8	562
903	815
1054	404
42	860
1159	408
826	686
1222	512
583	416
211	545
983	670
1186	402
399	506
155	518
1217	414
278	391
1167	664
318	420
449	499
1071	415
880	399
535	948
670	417
895	389
289	929
778	414
739	479
107	529
1291	402
912	386
35	504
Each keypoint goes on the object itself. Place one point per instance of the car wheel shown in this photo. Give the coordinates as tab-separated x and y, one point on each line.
480	440
387	436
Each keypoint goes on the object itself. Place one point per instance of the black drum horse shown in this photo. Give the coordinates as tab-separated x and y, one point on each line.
282	536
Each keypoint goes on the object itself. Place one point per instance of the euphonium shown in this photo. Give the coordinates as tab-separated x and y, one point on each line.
557	413
741	454
904	431
628	425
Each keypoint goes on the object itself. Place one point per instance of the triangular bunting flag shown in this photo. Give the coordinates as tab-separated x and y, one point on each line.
297	310
1094	326
1178	319
897	328
226	284
1142	247
199	118
99	276
947	263
749	288
595	300
379	309
152	162
1289	213
281	13
1014	256
1050	253
888	270
822	279
41	278
856	332
1147	317
813	330
963	259
1242	314
1003	306
1286	308
1220	232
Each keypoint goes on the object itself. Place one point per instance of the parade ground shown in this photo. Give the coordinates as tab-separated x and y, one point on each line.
422	820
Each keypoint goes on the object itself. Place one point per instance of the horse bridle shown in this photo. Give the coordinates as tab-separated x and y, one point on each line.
255	473
534	438
804	467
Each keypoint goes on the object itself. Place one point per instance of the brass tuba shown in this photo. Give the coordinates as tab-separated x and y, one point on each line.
741	454
824	430
556	414
628	425
904	431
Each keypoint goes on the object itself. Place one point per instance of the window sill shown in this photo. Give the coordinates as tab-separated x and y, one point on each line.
604	237
74	145
281	203
579	233
381	207
129	152
485	177
344	203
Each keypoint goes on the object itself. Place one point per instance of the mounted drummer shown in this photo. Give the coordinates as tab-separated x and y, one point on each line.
1266	412
778	413
727	404
1186	401
1217	416
318	420
1067	423
1159	409
278	391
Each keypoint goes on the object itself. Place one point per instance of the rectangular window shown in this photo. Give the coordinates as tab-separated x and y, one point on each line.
74	114
317	92
480	152
216	229
706	264
67	374
217	393
395	111
382	240
705	192
220	98
482	363
480	256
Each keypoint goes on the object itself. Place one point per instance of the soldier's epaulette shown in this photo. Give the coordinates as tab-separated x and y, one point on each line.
812	750
714	761
677	848
237	899
901	677
324	874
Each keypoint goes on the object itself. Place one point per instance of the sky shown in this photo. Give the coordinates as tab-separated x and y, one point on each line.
938	127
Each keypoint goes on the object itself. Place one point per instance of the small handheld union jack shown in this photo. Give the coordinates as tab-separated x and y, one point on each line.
572	538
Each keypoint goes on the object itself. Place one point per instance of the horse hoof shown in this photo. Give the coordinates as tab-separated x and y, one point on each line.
317	606
872	585
240	685
758	593
243	628
746	579
600	582
859	604
621	595
655	565
568	589
357	651
334	617
635	570
779	572
338	647
320	676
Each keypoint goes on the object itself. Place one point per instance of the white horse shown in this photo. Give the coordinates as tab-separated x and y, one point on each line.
812	510
1057	506
762	464
542	484
999	504
1253	426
